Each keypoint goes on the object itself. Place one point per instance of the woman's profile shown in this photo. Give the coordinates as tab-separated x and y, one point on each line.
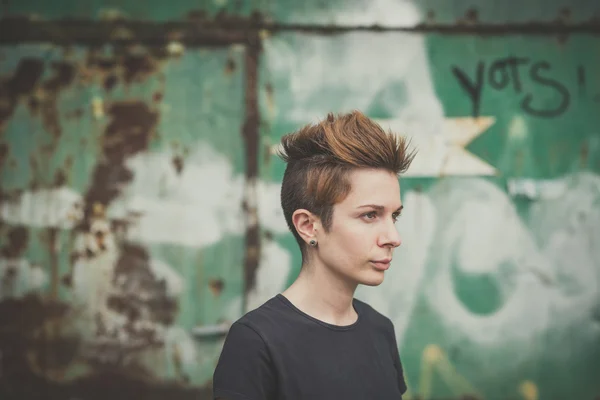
341	198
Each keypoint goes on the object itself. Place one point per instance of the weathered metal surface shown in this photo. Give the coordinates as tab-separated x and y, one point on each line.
139	198
375	12
233	29
492	274
117	154
205	33
251	140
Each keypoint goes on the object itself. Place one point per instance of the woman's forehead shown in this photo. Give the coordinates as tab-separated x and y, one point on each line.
373	187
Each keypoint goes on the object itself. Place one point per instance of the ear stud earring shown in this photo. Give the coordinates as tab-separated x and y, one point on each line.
313	242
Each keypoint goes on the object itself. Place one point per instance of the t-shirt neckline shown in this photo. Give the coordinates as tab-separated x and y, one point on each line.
288	303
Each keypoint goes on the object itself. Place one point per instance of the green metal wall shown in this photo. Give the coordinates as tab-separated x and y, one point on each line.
139	193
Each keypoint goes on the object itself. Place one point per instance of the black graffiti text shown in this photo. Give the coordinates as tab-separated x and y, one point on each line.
509	73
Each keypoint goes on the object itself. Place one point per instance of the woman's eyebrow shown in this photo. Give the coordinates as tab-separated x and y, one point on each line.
379	207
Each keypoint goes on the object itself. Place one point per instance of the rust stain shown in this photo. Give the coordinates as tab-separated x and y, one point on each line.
40	96
472	15
564	15
64	74
197	15
127	65
129	130
141	293
3	153
75	114
584	153
60	178
250	136
16	242
35	172
216	286
268	235
69	162
230	66
178	164
157	97
53	251
21	84
270	98
198	29
29	352
138	67
430	18
110	82
519	161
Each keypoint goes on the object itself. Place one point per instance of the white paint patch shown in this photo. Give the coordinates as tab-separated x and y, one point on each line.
568	233
44	208
536	189
355	71
480	234
179	341
196	208
396	297
270	212
163	272
271	276
443	154
546	270
19	278
387	13
92	279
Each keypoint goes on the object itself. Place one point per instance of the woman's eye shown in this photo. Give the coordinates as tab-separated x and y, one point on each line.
371	215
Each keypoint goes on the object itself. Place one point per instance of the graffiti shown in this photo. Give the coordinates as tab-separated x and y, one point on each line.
521	265
507	74
445	154
436	367
528	278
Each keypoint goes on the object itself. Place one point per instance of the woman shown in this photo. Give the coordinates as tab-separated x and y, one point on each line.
341	197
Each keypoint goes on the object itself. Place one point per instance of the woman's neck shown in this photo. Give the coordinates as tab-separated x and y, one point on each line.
323	295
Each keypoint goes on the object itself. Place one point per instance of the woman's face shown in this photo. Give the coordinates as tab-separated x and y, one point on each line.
360	243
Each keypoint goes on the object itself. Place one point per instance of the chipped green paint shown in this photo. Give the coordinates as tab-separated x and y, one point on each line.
89	133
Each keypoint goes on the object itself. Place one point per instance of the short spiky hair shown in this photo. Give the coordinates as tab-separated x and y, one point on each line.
319	158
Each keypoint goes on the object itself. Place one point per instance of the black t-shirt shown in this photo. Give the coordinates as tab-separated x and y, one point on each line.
279	352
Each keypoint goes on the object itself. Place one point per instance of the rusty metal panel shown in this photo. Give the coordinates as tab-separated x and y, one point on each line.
383	13
494	293
115	10
122	184
140	203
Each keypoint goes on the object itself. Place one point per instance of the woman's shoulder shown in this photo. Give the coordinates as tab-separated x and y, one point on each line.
264	319
371	316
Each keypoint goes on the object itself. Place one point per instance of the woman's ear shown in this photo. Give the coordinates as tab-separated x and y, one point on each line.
306	224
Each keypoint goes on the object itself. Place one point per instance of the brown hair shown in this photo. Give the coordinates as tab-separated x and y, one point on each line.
320	156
